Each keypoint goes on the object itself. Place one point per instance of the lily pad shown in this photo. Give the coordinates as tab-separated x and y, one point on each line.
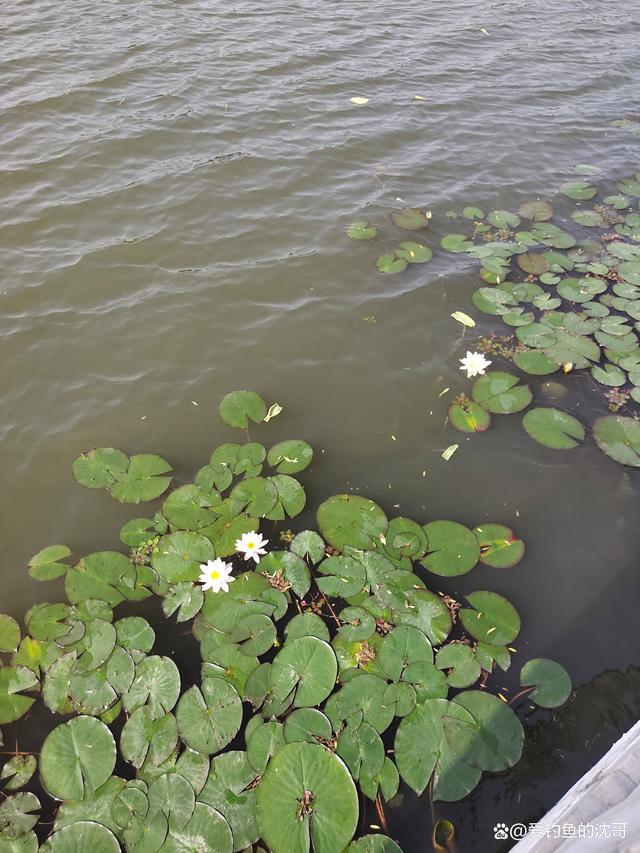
362	230
46	565
580	190
9	633
178	556
351	520
307	664
209	717
229	790
390	263
553	685
76	758
536	211
414	253
82	835
500	393
503	219
499	547
18	770
308	544
619	438
553	428
289	457
98	468
459	660
536	363
206	830
492	620
239	407
533	264
469	417
142	481
306	797
14	680
410	218
452	548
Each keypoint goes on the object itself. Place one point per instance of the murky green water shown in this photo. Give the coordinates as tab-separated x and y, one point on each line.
177	177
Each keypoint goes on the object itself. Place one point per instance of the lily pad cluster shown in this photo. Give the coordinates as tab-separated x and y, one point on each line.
331	670
573	303
407	251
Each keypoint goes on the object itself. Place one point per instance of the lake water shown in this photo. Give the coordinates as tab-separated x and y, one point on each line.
177	178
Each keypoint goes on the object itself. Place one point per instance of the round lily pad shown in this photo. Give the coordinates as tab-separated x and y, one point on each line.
289	457
76	758
499	547
307	664
410	218
390	263
306	797
414	253
535	362
452	548
82	835
98	468
553	428
362	230
142	481
533	264
469	417
178	556
619	438
500	393
459	660
229	790
239	407
351	520
553	685
581	190
493	619
209	716
536	211
9	633
206	830
46	565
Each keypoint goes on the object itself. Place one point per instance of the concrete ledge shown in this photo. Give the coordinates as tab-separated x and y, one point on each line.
608	794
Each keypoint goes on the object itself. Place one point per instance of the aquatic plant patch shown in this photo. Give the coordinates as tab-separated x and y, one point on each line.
331	667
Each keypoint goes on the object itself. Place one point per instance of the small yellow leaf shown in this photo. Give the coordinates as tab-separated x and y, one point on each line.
463	318
273	412
359	101
442	393
419	98
448	453
568	367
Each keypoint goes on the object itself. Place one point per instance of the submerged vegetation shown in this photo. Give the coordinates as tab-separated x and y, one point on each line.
330	669
571	299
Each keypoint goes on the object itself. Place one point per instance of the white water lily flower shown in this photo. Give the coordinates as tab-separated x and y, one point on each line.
474	363
251	545
216	575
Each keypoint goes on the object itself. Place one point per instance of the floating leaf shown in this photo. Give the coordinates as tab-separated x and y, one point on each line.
142	481
464	669
503	219
580	190
308	544
362	230
98	468
9	633
18	770
456	243
411	218
351	520
206	830
305	797
493	619
76	758
229	790
238	407
553	428
473	213
414	253
307	664
500	393
448	452
209	716
156	683
46	565
619	438
147	736
609	375
360	101
553	685
536	211
289	457
452	548
374	844
463	318
14	680
536	363
178	556
390	263
499	547
533	264
17	815
469	417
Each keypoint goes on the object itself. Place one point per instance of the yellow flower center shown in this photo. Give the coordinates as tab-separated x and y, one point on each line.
251	544
214	574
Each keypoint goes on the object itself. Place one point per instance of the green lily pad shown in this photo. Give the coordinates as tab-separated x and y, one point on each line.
18	770
290	497
18	815
156	683
188	507
289	457
172	795
82	835
308	544
344	577
553	685
452	548
580	190
536	211
146	736
414	253
390	263
76	758
581	289
257	496
206	830
497	744
239	407
492	620
402	646
209	717
609	375
14	680
503	219
469	417
619	438
456	243
228	790
473	213
307	625
106	575
500	393
307	664
178	556
46	565
553	428
98	468
361	750
362	230
307	724
306	797
499	547
459	659
9	633
361	699
351	520
374	844
536	363
142	481
533	264
410	218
